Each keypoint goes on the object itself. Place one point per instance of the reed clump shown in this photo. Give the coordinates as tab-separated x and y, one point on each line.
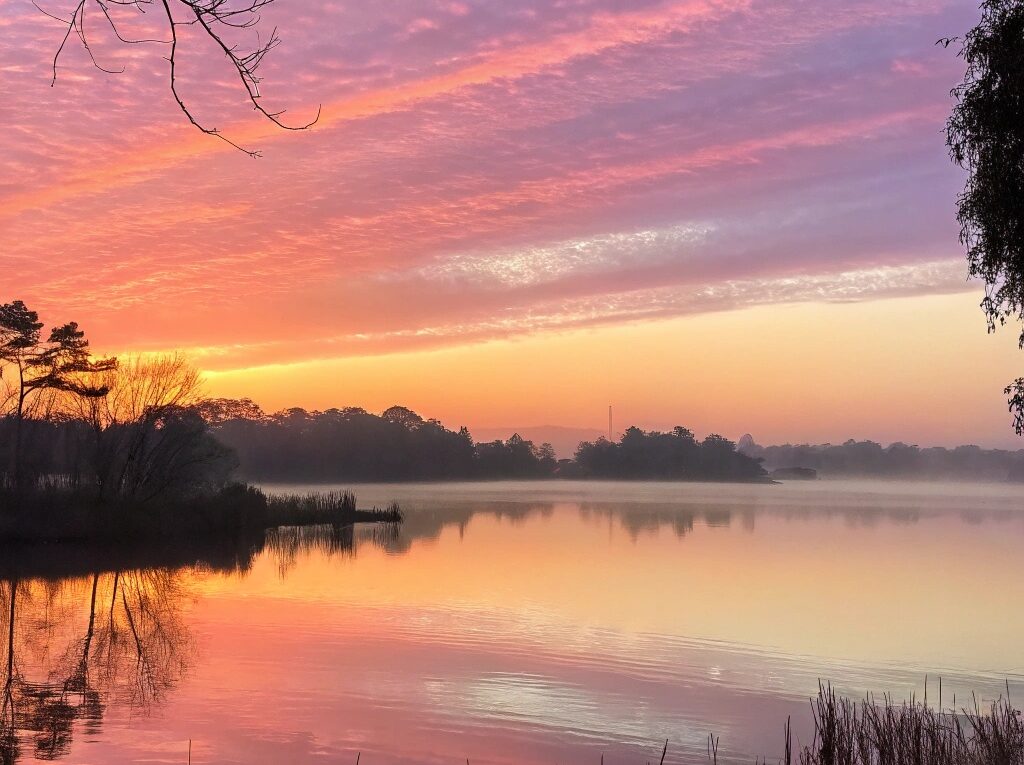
910	733
325	508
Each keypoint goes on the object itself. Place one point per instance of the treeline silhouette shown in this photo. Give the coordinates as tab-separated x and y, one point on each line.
352	444
121	449
898	460
106	428
676	455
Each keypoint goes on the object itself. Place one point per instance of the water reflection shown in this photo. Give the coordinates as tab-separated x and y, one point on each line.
288	543
510	623
430	515
76	645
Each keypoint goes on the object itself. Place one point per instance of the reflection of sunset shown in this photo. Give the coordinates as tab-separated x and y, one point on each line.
807	587
581	618
558	614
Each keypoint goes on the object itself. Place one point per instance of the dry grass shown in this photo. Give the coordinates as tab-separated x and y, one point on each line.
911	733
325	508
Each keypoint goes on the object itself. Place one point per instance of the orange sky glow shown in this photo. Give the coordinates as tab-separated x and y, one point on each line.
735	215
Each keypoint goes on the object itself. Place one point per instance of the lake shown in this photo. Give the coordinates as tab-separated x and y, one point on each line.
524	622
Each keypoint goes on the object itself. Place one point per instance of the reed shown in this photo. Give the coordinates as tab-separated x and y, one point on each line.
910	733
325	508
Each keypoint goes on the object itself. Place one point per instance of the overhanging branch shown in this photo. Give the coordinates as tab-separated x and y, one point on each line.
216	18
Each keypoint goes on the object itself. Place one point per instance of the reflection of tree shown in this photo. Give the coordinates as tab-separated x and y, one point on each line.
79	644
130	645
8	712
428	523
52	707
286	543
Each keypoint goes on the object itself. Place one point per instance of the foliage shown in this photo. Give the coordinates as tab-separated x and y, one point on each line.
147	434
985	135
143	439
32	366
354	445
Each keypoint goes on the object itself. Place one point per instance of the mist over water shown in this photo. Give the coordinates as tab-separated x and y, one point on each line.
533	622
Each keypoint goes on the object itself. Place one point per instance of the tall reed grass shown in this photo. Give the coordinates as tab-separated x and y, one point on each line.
909	733
323	508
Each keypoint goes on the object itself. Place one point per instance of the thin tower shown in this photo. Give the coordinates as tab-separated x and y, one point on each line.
609	422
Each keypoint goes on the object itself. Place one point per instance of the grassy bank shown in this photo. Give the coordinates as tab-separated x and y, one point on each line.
54	514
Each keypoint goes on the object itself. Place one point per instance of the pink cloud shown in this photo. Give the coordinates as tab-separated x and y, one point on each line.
514	132
910	67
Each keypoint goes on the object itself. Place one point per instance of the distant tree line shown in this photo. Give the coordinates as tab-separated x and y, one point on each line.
898	460
352	444
140	430
676	455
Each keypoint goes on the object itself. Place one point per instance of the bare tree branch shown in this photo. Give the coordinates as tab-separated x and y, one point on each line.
217	19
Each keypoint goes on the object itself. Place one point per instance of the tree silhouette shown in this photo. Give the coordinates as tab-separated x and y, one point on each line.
149	437
666	456
218	410
403	416
62	363
985	135
100	428
217	21
898	460
353	444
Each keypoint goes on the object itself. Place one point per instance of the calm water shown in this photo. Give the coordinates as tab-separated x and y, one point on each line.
526	622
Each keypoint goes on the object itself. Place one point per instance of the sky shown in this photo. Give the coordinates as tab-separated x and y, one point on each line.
732	215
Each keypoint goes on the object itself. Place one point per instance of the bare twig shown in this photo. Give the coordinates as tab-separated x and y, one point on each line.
216	18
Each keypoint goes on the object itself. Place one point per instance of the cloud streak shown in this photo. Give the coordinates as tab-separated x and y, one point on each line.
484	170
940	277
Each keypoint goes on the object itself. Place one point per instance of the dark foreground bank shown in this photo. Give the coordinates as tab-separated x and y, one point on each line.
54	515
